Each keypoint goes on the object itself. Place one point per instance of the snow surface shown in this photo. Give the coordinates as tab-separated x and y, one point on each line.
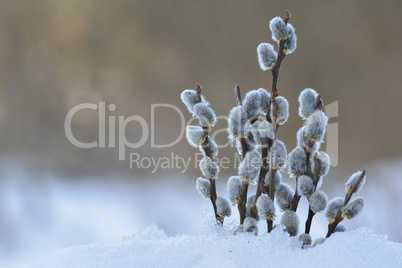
151	247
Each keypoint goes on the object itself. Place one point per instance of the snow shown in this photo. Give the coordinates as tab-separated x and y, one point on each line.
151	247
48	214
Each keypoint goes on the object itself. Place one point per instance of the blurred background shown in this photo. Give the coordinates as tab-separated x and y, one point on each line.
55	55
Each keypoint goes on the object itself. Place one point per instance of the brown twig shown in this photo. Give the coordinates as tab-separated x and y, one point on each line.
242	205
205	145
261	188
296	197
281	57
338	219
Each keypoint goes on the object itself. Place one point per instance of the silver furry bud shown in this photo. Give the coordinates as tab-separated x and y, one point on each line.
303	140
265	100
279	29
323	164
339	228
283	110
290	42
316	126
249	168
252	103
223	208
353	208
319	241
305	239
203	186
278	155
251	201
195	135
205	114
305	186
307	101
189	98
277	179
266	130
266	207
266	56
237	123
297	162
209	168
291	222
235	189
349	184
284	196
318	201
334	206
250	225
213	148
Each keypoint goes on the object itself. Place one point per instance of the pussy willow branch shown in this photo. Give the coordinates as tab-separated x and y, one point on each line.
274	94
261	188
338	219
311	213
318	106
205	145
242	205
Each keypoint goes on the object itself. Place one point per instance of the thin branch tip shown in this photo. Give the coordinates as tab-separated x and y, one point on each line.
198	90
287	16
238	95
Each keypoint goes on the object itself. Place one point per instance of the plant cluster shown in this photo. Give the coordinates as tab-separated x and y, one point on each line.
253	126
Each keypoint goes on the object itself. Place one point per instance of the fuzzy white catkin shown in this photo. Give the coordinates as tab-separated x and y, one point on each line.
319	241
278	155
339	228
253	129
334	206
277	179
297	162
223	208
195	135
265	100
284	196
291	222
318	201
353	208
234	187
250	146
250	225
205	114
213	148
266	56
209	168
290	43
303	140
283	110
307	102
249	168
279	29
189	98
323	163
251	141
251	200
252	103
305	186
316	126
266	130
203	187
237	123
349	184
305	239
266	207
